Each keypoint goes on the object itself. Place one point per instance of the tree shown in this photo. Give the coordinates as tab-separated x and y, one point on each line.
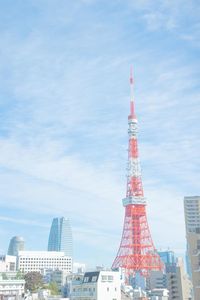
19	275
33	281
53	287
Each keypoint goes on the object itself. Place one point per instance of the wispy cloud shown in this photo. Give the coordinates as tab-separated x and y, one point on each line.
64	104
26	222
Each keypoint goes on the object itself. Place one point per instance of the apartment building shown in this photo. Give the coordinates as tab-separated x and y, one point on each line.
98	285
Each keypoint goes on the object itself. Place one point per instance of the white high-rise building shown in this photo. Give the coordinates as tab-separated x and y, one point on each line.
28	261
192	224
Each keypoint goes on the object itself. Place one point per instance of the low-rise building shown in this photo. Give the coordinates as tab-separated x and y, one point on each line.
98	285
7	263
159	294
11	288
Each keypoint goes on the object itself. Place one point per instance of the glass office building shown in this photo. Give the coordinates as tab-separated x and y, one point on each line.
16	245
60	236
169	259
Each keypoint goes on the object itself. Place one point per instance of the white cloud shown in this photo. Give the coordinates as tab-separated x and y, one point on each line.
23	221
64	149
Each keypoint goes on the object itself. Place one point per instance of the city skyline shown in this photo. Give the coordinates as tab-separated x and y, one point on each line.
64	105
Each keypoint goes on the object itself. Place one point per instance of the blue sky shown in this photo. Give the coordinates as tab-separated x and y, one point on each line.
64	100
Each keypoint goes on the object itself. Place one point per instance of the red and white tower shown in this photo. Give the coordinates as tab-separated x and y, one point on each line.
136	252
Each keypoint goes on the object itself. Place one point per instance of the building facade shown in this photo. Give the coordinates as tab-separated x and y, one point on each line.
60	236
192	224
7	263
28	261
97	285
178	283
169	259
16	244
174	279
11	288
159	294
60	278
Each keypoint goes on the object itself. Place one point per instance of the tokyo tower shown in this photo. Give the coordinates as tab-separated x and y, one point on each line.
136	251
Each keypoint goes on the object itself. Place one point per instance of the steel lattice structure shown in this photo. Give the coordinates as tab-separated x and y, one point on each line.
136	252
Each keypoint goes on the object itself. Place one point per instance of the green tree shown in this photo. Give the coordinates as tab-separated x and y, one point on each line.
53	287
33	281
19	275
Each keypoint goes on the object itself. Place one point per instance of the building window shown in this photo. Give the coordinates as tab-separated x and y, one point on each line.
104	278
94	278
110	278
86	279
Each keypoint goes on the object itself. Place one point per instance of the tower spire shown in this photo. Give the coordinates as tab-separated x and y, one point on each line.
136	252
132	108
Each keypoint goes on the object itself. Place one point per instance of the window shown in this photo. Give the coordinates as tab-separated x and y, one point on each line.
86	279
110	278
104	278
94	278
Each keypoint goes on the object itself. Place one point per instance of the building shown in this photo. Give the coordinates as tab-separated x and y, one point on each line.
97	285
192	224
159	294
169	259
60	236
16	244
79	267
156	280
59	277
72	280
11	288
178	283
174	278
7	263
127	292
39	261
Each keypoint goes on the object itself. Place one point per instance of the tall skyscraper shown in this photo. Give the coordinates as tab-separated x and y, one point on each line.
60	236
16	245
192	224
